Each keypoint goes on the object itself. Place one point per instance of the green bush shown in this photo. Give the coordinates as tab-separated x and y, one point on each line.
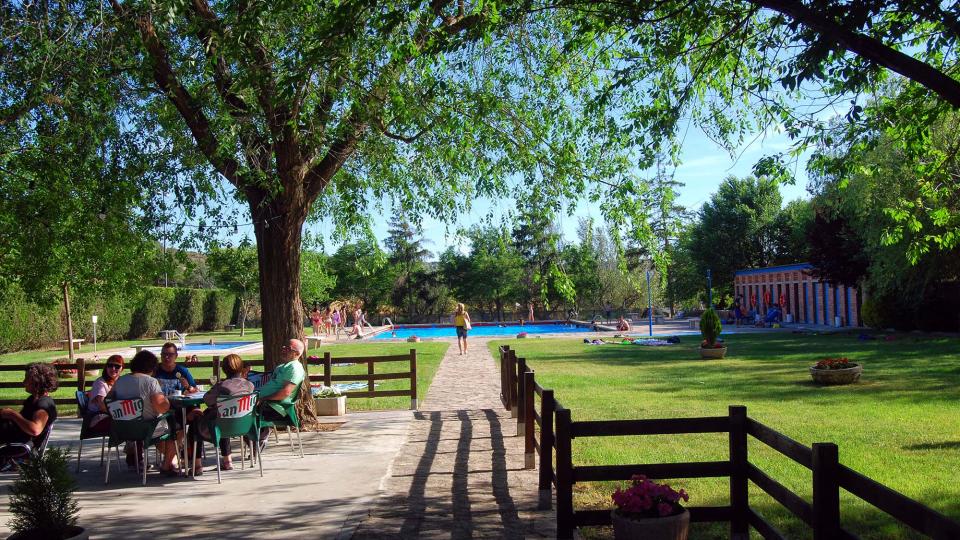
710	326
217	309
876	313
24	324
186	310
151	313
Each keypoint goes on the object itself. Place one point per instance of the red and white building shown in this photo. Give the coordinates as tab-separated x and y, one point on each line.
800	294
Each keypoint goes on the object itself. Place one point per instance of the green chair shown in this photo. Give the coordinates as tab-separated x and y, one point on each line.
128	424
236	417
289	410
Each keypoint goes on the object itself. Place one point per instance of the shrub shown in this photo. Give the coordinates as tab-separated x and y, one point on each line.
186	310
878	312
41	499
24	324
218	309
710	326
151	313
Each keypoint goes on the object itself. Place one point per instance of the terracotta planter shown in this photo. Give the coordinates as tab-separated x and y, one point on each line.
67	373
712	353
331	406
659	528
76	533
836	376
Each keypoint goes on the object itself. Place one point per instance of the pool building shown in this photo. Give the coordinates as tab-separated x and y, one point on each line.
802	295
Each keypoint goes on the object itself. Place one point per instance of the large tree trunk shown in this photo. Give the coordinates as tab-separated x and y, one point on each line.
279	234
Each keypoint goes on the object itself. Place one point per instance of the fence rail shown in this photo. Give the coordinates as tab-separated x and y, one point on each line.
557	430
83	382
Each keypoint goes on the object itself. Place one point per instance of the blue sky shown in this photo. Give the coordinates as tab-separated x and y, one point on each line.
704	166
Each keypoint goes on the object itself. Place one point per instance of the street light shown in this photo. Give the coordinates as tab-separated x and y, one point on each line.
94	333
649	305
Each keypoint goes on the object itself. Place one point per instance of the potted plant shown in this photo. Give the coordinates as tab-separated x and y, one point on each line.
836	371
41	500
710	330
330	401
64	372
649	510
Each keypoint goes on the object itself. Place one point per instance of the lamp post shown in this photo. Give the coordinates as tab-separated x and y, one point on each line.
709	290
649	305
94	333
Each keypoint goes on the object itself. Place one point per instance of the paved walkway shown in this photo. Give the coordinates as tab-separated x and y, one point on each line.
460	473
322	495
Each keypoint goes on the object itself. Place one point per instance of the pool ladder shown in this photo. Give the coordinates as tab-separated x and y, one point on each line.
386	321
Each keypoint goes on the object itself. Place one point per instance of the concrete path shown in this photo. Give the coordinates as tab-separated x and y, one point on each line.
323	495
460	473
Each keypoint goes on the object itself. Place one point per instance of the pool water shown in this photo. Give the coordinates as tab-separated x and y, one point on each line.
217	346
506	330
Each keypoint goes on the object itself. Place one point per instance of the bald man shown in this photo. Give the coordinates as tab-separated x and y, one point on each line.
285	379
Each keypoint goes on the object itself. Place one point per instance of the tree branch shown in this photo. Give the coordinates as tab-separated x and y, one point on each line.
869	48
180	97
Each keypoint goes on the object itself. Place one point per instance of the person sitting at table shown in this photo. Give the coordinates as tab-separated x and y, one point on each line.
173	376
38	410
234	384
140	384
97	415
285	379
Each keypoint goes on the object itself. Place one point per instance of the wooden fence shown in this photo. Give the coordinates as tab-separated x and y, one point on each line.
82	382
822	514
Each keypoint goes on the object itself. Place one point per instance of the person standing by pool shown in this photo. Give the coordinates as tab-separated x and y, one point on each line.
461	319
337	322
530	317
315	319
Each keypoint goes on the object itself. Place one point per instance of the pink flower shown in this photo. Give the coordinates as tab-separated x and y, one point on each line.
664	509
645	498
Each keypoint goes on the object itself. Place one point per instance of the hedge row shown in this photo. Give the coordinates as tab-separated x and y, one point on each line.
26	325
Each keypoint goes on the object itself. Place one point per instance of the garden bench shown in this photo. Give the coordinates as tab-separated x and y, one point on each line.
77	342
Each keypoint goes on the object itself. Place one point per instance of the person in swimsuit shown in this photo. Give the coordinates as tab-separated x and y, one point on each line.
461	319
315	319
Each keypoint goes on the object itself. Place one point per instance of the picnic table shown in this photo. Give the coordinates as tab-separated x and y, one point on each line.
77	342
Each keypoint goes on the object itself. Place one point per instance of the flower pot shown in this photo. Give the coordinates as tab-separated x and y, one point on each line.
836	376
675	527
73	533
711	352
66	373
331	406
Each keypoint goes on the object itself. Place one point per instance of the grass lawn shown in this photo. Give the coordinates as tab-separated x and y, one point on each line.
428	358
900	425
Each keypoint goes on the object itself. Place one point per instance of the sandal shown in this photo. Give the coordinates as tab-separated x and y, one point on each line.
171	472
226	467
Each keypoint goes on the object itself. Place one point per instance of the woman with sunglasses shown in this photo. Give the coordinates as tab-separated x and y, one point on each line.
99	417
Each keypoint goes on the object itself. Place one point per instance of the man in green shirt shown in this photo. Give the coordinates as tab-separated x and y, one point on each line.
283	382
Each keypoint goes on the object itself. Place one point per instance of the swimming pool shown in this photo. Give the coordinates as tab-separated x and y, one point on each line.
484	330
217	346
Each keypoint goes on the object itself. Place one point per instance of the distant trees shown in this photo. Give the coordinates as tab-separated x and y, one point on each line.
235	269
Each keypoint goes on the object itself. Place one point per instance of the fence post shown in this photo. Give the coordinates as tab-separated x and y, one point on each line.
216	370
81	373
521	395
327	369
512	380
504	394
826	491
370	386
529	421
414	404
546	450
739	495
564	476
